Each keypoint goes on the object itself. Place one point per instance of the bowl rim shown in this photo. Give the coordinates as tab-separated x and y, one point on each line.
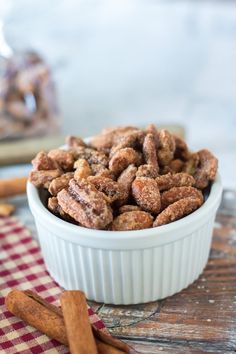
75	233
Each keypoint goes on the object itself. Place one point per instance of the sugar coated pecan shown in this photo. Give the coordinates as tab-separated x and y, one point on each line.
90	155
177	210
167	147
206	170
56	209
181	149
43	162
83	170
65	159
146	194
124	171
147	171
53	205
112	189
133	139
128	207
177	193
174	166
84	203
60	182
192	163
122	159
74	141
149	151
174	180
108	137
127	177
152	129
43	178
100	170
132	220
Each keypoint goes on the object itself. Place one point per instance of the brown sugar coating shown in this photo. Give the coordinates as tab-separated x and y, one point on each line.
109	137
84	203
83	169
132	220
56	209
90	155
177	210
43	178
176	193
74	141
53	205
181	149
60	182
167	147
125	173
146	194
112	189
147	171
149	152
65	159
43	162
126	179
127	176
122	159
174	180
128	207
176	166
206	170
133	139
192	163
152	129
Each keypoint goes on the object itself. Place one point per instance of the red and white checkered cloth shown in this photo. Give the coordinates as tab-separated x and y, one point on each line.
22	267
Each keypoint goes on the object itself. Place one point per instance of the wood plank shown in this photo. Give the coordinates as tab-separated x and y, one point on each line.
22	151
201	318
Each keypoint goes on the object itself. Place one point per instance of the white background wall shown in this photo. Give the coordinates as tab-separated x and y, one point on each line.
136	61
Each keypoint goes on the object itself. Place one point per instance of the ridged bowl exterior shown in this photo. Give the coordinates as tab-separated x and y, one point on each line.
139	266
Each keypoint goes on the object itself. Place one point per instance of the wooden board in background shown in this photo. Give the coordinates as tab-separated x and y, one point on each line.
22	151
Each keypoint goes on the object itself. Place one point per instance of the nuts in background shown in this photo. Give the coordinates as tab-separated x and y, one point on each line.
126	178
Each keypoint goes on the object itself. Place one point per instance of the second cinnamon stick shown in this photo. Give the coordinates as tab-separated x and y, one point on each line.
78	329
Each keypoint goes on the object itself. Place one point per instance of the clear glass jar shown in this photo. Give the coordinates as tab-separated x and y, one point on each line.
28	104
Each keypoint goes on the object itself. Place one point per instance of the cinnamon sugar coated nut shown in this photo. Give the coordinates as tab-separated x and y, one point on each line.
127	207
82	169
59	183
146	194
132	220
123	158
124	178
177	210
169	180
176	193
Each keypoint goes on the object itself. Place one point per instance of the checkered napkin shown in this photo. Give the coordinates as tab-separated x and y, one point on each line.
22	267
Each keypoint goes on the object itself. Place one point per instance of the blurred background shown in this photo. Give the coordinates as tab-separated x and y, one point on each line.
118	62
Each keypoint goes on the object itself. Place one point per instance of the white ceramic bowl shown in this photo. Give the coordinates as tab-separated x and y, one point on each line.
126	267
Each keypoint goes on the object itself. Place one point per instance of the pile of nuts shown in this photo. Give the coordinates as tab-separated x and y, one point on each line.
28	105
124	179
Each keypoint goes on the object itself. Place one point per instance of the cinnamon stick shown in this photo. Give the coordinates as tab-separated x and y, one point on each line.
37	313
48	318
13	186
78	329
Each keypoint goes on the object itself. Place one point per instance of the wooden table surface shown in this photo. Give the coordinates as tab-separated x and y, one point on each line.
201	318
